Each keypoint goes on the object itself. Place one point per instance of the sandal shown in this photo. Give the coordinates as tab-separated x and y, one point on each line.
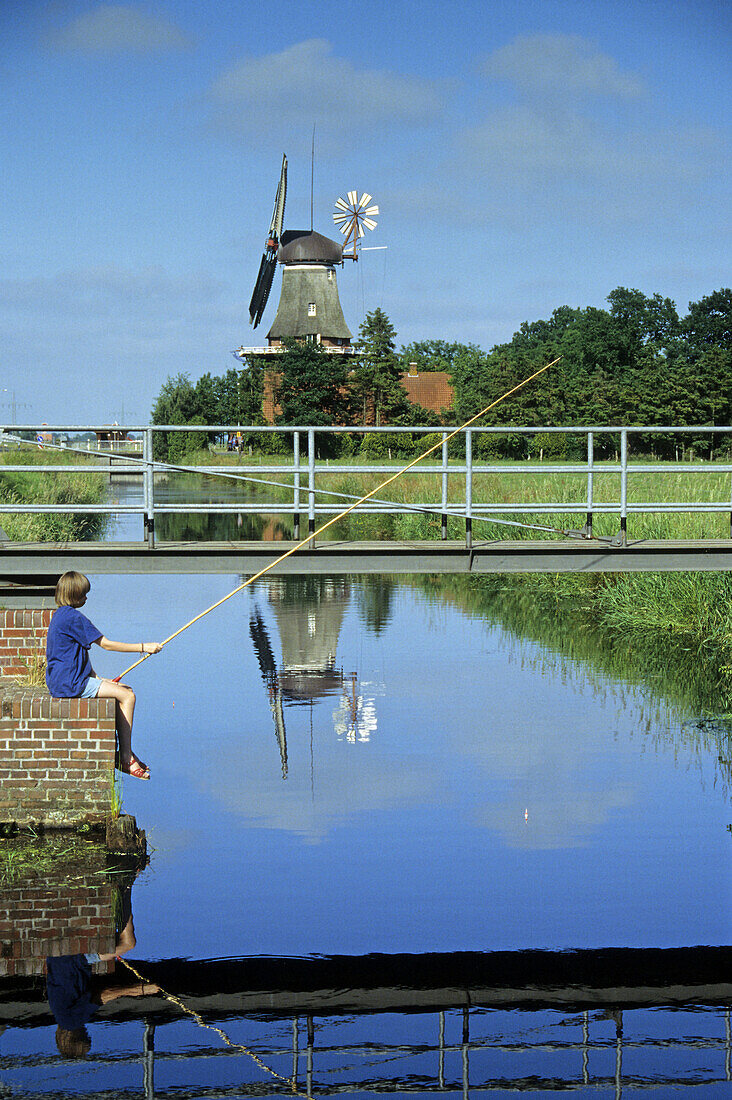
136	769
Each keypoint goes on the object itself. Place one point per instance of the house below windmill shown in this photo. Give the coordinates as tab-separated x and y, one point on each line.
430	390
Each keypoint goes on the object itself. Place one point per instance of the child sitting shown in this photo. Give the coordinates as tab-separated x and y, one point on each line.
69	672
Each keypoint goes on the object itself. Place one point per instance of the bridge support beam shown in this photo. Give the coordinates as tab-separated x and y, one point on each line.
40	564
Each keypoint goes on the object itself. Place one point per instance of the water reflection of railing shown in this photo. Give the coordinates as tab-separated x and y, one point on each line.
523	1056
304	492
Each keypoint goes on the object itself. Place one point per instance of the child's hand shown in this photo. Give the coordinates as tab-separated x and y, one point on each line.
151	647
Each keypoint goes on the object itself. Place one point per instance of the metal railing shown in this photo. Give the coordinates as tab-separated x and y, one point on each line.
306	495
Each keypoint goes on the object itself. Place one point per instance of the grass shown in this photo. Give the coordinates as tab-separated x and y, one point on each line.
46	487
35	666
115	794
663	484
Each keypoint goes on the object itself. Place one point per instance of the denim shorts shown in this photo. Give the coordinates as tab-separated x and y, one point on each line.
91	688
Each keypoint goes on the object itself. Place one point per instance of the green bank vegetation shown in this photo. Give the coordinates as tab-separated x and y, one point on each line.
29	855
523	488
45	487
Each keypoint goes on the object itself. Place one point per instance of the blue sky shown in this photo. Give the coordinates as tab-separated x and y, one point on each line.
524	155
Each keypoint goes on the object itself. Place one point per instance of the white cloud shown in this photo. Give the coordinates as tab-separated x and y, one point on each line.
118	27
527	140
367	789
561	63
306	84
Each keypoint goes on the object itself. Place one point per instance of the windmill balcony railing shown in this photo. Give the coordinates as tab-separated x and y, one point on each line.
465	486
279	349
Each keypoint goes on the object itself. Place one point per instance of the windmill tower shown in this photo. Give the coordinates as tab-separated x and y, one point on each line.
309	307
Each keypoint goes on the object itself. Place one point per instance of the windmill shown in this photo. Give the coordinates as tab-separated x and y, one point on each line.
267	267
352	215
309	308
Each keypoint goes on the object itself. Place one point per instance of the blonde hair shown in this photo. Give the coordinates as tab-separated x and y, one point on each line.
71	589
73	1043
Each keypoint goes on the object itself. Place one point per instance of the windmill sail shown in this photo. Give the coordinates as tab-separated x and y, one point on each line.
268	264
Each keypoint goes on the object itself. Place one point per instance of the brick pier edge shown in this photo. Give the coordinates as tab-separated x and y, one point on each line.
56	755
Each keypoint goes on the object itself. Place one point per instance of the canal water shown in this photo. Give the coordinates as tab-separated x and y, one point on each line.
368	767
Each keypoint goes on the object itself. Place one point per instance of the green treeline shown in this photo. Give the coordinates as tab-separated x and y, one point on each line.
636	362
231	398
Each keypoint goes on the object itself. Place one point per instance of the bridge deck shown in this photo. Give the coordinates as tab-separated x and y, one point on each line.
39	561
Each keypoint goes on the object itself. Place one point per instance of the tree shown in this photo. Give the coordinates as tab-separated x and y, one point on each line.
176	404
644	320
432	355
239	396
311	386
709	322
377	380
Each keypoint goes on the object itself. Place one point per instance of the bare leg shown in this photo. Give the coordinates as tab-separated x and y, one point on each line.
124	713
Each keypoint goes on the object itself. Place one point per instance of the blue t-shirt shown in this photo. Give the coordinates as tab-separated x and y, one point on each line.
69	990
68	666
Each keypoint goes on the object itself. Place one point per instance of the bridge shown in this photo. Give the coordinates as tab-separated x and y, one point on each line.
280	474
39	564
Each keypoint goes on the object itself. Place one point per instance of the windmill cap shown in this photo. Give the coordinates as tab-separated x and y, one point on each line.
301	246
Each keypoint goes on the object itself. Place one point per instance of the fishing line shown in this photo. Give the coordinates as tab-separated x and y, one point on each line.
341	515
196	1016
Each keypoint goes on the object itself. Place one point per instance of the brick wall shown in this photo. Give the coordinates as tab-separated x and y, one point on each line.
56	755
22	639
67	911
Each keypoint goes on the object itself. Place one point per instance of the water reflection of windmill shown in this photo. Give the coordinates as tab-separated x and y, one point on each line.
309	613
268	668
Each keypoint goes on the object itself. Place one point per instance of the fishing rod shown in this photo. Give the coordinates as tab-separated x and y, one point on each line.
341	515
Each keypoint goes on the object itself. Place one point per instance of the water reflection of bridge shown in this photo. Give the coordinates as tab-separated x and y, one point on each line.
515	1021
616	1019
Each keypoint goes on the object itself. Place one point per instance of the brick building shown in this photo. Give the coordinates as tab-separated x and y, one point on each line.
432	390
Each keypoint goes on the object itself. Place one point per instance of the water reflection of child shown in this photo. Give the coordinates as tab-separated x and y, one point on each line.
69	672
75	996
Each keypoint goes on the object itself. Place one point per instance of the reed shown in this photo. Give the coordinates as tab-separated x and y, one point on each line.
35	670
115	795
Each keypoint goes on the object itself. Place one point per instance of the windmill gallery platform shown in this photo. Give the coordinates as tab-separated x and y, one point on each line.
37	565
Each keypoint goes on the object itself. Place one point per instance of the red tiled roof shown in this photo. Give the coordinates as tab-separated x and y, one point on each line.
431	389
